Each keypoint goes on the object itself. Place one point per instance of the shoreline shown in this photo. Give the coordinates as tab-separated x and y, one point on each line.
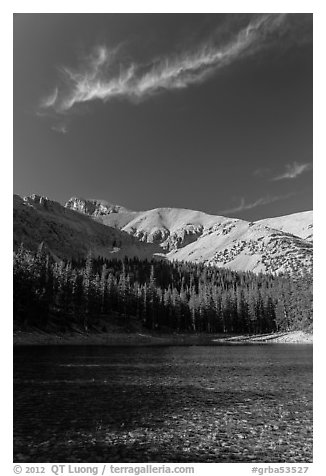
38	337
291	337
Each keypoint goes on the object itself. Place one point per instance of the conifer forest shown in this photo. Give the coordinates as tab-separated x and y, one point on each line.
162	296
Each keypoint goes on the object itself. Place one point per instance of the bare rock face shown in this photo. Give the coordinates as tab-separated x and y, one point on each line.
94	208
43	202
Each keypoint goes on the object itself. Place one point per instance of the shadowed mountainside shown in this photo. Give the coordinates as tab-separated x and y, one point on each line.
69	234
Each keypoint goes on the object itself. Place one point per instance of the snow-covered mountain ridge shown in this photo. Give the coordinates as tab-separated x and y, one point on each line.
112	231
270	245
298	224
173	219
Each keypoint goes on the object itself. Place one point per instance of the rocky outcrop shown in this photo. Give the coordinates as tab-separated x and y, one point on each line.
94	208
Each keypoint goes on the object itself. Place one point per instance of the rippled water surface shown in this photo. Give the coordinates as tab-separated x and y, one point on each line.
166	404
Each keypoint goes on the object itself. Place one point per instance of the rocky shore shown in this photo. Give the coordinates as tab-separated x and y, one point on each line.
293	337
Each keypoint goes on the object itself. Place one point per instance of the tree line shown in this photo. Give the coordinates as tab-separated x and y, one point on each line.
163	296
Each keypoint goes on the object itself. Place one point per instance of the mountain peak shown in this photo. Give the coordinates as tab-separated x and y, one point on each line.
38	199
280	244
93	207
42	201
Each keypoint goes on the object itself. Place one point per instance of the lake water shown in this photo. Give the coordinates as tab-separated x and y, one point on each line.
237	403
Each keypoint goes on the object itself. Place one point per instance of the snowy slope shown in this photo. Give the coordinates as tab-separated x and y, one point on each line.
248	247
299	224
191	235
172	227
169	227
68	234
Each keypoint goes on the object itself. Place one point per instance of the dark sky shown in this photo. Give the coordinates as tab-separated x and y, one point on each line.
210	112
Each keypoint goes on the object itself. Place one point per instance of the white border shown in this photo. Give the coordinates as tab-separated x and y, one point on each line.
140	6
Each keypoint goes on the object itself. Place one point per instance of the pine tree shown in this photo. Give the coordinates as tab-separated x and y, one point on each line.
88	290
104	289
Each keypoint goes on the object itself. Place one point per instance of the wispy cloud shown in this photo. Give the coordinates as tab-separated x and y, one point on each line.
103	75
261	172
51	99
293	171
60	128
257	203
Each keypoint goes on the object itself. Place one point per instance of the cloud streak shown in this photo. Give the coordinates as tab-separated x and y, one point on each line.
60	128
104	76
261	172
257	203
293	171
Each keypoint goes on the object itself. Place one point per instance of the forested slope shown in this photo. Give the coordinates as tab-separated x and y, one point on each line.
161	295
